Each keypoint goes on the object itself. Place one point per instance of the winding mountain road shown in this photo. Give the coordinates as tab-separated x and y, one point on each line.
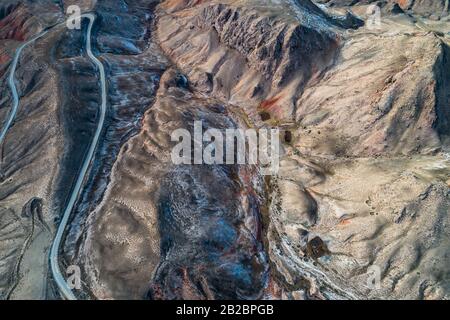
12	86
60	281
63	287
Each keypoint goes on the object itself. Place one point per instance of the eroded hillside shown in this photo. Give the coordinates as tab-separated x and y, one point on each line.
364	173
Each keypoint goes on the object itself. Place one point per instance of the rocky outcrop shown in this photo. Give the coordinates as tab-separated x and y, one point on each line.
246	56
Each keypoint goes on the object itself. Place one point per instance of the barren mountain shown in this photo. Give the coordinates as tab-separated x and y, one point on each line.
359	89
